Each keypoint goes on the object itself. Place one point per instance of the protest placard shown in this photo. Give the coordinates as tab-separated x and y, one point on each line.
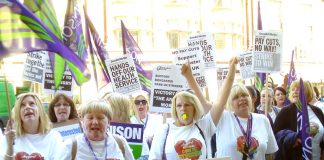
166	81
66	85
245	63
133	133
206	41
34	66
194	55
123	74
68	129
267	52
221	75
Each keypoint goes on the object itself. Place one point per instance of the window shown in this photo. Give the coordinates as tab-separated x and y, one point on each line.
174	39
220	41
135	35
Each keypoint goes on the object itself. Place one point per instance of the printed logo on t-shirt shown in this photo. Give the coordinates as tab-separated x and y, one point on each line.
188	150
241	144
313	129
26	156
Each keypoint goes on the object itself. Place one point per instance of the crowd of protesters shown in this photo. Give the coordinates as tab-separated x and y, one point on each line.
239	123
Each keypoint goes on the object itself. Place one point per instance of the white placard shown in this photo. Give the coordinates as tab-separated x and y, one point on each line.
221	75
245	63
66	85
68	129
166	81
34	66
194	55
123	74
267	52
207	44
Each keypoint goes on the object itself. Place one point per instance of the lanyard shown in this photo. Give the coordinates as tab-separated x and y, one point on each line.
147	117
89	144
247	135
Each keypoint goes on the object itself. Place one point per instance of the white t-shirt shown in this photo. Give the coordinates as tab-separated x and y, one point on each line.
273	113
228	130
316	149
50	146
153	123
188	139
84	152
320	105
128	150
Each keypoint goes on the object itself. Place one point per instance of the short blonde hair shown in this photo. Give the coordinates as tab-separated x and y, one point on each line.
120	106
238	89
308	90
191	99
96	105
44	122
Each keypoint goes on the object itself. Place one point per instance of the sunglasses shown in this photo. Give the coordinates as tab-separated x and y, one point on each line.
138	102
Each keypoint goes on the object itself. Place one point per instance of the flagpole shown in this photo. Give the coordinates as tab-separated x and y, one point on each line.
266	107
6	89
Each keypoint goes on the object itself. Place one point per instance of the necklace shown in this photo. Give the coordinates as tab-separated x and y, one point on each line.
246	134
90	146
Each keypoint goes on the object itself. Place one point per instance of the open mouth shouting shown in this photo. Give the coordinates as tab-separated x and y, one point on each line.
29	114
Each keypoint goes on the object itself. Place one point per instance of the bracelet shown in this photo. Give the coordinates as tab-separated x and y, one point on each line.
13	156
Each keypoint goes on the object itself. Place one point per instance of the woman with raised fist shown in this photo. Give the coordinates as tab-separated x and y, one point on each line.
189	135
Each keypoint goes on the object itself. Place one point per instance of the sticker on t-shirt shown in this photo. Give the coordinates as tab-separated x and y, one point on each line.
241	145
313	129
188	150
26	156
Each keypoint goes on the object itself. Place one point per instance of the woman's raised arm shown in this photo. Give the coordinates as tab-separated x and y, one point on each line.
218	107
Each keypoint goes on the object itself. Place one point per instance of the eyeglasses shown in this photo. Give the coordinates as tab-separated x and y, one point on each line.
243	95
138	102
64	105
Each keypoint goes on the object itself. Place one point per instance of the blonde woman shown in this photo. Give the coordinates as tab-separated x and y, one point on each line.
273	110
188	137
120	106
31	133
141	109
287	124
95	143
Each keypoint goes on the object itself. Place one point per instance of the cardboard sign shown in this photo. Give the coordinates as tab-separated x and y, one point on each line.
207	44
34	66
221	75
245	62
166	82
66	85
195	56
68	129
133	133
267	52
123	74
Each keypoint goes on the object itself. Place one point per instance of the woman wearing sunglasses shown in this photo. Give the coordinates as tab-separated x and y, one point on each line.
150	121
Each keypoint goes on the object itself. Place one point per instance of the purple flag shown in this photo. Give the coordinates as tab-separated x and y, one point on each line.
130	47
72	31
303	124
98	54
291	77
26	27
